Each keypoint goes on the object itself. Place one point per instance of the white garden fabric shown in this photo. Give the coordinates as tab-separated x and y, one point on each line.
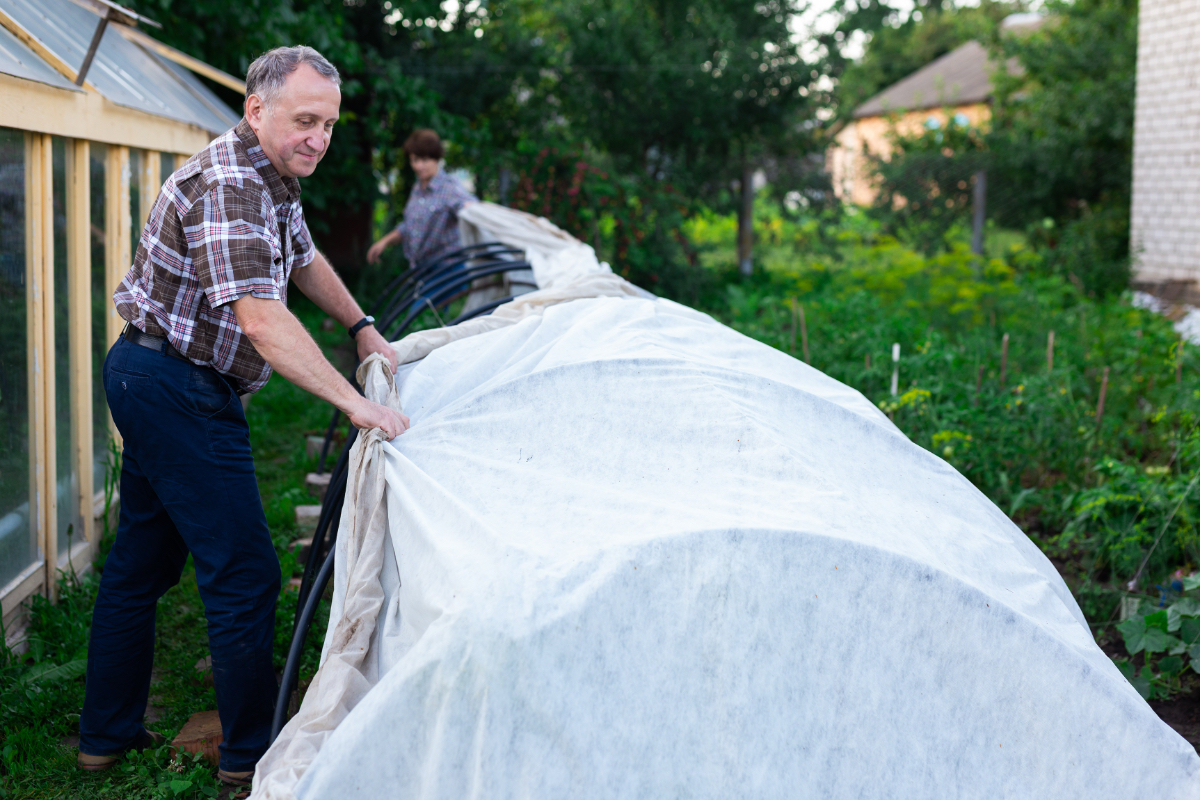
625	551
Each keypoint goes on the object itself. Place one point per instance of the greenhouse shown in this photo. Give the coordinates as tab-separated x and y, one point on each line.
96	115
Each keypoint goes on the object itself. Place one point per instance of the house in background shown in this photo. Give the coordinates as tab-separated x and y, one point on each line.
956	87
1165	215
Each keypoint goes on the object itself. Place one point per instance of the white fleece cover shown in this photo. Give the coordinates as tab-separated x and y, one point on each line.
627	552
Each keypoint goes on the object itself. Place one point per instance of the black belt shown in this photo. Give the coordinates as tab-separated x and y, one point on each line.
158	343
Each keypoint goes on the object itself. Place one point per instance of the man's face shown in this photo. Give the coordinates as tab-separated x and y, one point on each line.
425	168
295	131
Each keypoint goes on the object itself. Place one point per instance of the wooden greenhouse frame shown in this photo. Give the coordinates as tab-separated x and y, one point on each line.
63	102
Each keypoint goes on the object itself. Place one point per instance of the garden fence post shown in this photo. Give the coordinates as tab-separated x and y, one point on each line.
895	368
1103	393
1003	359
803	332
1050	352
792	349
979	200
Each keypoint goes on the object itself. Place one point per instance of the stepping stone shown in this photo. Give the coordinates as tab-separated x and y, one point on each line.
305	546
307	518
204	670
317	484
201	734
313	445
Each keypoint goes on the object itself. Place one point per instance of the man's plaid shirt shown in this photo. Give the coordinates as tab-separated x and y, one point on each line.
225	225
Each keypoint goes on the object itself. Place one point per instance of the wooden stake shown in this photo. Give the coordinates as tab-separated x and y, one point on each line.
895	369
803	332
792	301
1103	393
868	361
1003	359
1050	352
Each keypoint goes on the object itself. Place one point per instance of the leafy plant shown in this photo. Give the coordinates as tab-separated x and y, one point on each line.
1169	641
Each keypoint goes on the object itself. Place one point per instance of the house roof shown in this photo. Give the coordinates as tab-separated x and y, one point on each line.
46	41
961	77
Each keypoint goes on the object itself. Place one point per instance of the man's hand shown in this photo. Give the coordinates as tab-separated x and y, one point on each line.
370	415
371	341
284	344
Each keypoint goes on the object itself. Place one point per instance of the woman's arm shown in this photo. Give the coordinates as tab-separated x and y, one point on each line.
376	252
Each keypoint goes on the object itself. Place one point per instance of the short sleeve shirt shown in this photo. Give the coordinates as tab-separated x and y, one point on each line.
225	224
430	225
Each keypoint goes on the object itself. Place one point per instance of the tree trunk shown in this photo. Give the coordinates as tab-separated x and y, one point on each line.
745	238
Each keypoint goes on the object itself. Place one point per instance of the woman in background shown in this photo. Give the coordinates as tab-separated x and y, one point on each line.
430	225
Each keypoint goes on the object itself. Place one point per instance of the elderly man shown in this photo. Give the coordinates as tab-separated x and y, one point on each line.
207	321
430	225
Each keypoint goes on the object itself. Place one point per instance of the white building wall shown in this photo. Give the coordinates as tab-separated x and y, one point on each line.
1166	151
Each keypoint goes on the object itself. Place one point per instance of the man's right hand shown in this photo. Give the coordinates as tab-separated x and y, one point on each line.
368	415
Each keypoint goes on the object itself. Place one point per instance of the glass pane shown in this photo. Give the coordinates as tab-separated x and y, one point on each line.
122	71
17	546
100	304
66	477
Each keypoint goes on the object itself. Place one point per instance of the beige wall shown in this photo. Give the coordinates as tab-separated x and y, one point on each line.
1166	150
850	169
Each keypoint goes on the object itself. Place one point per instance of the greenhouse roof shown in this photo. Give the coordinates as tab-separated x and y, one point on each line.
48	41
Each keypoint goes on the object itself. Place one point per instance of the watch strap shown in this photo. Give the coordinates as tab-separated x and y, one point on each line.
358	326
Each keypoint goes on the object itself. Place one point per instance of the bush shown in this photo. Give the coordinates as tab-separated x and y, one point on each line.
1093	493
636	225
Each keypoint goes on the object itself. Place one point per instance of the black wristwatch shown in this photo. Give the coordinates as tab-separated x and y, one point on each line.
358	326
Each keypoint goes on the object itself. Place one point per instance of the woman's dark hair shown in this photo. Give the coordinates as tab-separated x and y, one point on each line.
424	143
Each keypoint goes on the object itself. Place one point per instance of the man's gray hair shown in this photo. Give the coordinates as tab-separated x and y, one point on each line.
270	71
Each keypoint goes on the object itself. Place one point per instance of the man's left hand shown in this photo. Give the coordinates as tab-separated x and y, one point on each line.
371	341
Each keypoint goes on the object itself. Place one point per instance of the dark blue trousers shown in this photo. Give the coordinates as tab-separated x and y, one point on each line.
187	486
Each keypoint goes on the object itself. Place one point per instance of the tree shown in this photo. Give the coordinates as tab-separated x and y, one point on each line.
1062	139
697	93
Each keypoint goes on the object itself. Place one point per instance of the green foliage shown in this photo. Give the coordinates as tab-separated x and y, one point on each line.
1063	130
1063	136
1168	638
1058	150
1032	444
725	82
926	186
1138	510
639	232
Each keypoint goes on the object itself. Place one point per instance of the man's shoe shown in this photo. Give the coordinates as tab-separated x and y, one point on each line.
236	778
145	740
